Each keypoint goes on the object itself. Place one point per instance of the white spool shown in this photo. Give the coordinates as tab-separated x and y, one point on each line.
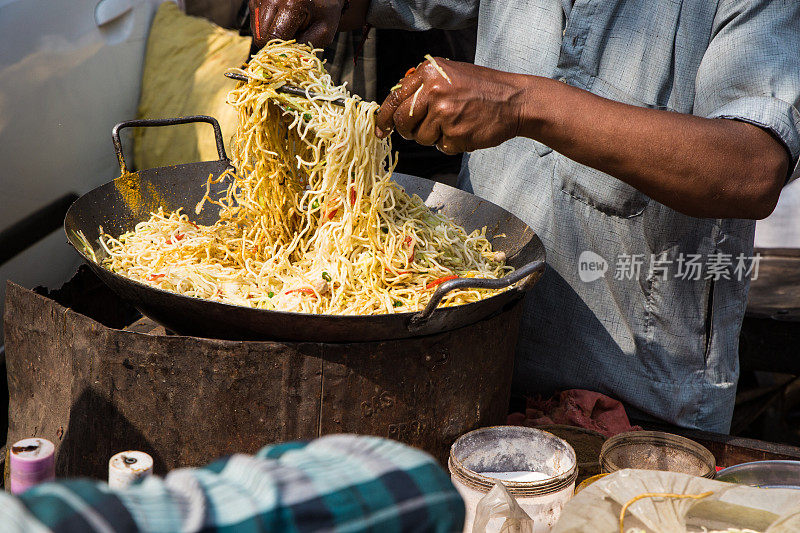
126	467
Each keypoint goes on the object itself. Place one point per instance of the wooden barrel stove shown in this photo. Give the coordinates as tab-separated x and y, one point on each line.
80	376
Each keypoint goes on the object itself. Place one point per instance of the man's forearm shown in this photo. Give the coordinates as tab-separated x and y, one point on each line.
355	16
712	168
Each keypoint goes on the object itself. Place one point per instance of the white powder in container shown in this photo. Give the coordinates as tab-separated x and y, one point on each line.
518	476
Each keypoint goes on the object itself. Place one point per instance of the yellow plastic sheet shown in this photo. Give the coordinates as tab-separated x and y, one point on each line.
183	75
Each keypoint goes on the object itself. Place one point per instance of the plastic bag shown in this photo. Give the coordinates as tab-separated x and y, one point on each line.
498	503
597	508
787	523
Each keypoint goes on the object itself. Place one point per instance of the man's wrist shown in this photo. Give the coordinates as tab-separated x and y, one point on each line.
533	106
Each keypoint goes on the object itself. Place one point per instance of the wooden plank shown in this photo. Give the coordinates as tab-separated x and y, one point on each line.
775	293
729	450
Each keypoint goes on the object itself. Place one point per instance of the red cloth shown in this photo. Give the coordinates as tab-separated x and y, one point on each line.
576	407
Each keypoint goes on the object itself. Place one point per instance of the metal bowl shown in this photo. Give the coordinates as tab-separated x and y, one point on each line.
764	474
119	205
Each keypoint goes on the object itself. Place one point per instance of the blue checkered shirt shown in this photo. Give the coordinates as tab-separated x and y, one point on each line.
340	483
662	341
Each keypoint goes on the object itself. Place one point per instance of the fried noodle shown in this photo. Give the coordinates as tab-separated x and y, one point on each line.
310	220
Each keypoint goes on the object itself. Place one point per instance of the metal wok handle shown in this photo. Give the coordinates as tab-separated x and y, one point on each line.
146	123
532	271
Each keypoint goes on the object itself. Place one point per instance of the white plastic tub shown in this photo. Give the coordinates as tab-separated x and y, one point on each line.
503	449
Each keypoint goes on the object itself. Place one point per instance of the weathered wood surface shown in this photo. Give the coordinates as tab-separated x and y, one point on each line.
775	293
95	390
729	450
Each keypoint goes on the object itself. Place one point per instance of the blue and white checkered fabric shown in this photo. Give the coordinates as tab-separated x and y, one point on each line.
339	483
664	345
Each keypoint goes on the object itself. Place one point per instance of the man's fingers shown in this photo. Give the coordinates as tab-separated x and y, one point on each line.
410	113
449	146
318	34
429	132
289	20
385	119
261	16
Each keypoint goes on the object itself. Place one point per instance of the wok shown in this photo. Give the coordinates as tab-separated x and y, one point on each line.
119	205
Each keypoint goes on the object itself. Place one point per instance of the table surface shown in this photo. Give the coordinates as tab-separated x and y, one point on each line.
775	293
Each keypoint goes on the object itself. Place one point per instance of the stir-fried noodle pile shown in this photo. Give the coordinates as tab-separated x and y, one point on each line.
310	221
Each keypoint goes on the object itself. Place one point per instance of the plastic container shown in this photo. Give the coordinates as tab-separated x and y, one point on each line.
503	449
655	450
31	461
126	467
764	474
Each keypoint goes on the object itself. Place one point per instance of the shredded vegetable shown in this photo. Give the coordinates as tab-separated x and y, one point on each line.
438	68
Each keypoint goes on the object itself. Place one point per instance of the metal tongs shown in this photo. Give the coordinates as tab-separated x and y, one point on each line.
289	89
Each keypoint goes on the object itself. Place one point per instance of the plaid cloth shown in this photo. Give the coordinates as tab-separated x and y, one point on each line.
341	483
664	345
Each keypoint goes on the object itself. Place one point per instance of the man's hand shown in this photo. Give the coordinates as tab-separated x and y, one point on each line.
307	21
476	108
314	21
702	167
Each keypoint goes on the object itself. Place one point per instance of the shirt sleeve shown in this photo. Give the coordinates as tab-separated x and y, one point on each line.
751	70
423	14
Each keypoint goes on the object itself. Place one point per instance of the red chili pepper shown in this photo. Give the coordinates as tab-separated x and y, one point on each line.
436	282
352	196
178	236
259	243
397	272
332	213
155	277
304	291
409	240
410	71
193	224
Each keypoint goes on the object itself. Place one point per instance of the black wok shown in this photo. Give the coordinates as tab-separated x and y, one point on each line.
119	205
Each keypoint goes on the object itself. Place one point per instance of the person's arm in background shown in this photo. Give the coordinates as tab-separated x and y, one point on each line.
729	160
317	21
